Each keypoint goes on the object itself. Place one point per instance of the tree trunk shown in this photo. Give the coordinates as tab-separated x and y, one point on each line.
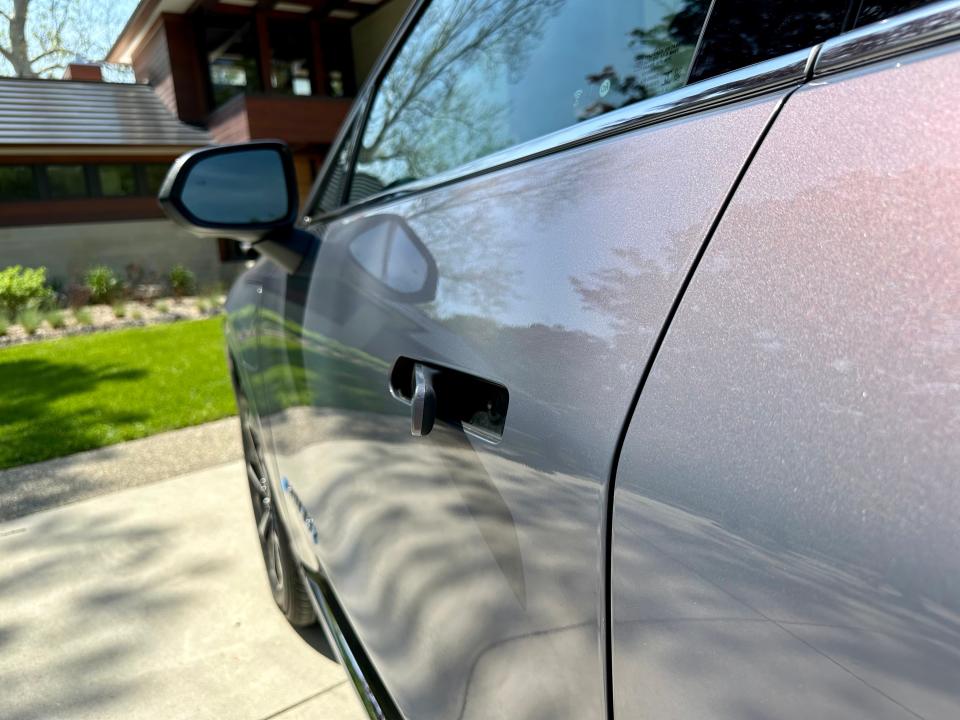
17	53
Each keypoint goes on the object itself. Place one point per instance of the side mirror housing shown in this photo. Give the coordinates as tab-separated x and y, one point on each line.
246	192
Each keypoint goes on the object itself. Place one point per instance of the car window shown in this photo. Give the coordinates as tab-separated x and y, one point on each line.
476	77
331	192
743	32
872	11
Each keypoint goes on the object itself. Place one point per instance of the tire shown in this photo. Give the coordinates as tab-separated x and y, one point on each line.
283	575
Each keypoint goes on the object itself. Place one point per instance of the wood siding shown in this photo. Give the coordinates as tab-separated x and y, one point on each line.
60	212
299	121
170	62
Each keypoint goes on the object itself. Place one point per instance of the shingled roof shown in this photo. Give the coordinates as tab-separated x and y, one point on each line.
58	112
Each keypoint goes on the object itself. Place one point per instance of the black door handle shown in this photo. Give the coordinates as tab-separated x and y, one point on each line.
423	405
437	393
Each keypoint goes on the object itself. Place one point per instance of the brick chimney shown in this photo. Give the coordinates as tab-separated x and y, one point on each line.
87	72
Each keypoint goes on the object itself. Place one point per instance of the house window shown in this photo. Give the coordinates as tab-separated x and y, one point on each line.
17	182
290	53
66	181
231	47
153	176
117	180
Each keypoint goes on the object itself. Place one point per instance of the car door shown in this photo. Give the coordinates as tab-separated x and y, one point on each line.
785	534
529	187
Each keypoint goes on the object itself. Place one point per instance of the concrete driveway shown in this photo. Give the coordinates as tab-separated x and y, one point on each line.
151	602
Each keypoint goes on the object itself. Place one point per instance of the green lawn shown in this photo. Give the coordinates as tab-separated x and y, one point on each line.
58	397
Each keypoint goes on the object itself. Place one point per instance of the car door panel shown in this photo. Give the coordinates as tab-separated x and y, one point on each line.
470	570
785	536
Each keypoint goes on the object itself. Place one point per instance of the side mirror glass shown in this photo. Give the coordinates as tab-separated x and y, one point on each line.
240	191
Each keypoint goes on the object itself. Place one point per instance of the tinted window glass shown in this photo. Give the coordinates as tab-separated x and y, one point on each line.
331	195
743	32
117	180
66	181
231	45
16	182
872	11
290	50
153	177
473	78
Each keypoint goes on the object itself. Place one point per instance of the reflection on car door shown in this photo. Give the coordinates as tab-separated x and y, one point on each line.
469	563
468	567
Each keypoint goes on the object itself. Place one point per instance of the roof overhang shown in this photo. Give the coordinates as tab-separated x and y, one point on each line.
139	25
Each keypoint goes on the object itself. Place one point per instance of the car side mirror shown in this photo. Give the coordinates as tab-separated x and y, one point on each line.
245	192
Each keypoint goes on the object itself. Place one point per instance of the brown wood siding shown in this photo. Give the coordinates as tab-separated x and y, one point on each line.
228	123
151	65
189	73
169	61
59	212
297	120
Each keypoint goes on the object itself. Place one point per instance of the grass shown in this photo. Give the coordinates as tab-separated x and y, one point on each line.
4	325
119	310
82	392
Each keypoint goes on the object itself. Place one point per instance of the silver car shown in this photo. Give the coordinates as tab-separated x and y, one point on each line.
613	367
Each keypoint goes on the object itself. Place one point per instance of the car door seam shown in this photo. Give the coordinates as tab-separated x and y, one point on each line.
606	619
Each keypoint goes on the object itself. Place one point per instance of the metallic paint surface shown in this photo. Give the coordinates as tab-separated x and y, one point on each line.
472	573
787	505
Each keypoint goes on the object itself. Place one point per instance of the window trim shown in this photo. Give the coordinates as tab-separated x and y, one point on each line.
913	30
916	29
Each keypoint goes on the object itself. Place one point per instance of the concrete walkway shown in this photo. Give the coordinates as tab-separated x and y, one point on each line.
150	602
30	488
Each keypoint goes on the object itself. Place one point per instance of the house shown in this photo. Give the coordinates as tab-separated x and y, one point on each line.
80	165
247	69
81	160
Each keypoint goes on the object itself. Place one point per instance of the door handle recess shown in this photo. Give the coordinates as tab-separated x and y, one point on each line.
475	405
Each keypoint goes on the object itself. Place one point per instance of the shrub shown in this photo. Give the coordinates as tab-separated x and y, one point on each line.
30	319
83	316
22	288
119	310
163	307
103	283
137	315
203	306
182	281
56	319
4	324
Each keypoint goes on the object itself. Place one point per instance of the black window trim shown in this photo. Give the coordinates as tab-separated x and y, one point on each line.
916	29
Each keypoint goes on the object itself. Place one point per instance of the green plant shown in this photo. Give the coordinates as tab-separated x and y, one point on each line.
30	319
182	281
22	288
4	324
203	306
119	310
162	307
56	319
83	316
103	283
137	315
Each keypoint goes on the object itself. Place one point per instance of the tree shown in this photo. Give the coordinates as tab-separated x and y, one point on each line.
39	38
